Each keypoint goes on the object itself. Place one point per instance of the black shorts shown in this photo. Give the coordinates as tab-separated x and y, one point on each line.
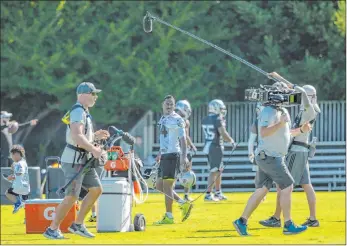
24	197
169	166
215	157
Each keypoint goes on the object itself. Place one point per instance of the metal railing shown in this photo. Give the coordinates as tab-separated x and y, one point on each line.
329	126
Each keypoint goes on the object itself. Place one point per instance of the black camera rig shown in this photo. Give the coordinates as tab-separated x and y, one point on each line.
269	95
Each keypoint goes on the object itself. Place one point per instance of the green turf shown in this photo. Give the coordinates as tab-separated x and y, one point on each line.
210	223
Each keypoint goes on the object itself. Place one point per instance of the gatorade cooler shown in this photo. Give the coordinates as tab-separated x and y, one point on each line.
39	214
114	206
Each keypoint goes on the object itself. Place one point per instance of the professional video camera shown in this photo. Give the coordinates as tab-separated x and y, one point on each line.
270	95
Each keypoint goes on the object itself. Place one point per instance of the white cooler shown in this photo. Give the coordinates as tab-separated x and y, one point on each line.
114	211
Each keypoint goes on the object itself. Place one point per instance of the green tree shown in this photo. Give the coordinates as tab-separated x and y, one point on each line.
48	48
340	17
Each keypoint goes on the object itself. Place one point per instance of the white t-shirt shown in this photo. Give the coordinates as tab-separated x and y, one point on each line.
172	128
21	184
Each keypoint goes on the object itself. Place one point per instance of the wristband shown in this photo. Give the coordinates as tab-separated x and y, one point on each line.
301	130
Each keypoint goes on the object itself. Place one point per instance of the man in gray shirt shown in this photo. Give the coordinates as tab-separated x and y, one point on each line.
274	139
297	158
79	148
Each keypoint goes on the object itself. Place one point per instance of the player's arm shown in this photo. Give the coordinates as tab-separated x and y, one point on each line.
77	125
79	138
189	140
183	144
11	177
220	125
307	127
306	101
278	77
252	136
182	138
225	135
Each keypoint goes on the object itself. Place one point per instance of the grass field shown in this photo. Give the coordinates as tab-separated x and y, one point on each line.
210	223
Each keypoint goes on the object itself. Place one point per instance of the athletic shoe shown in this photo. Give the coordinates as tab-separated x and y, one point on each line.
271	222
210	198
187	198
293	229
80	230
17	206
311	223
92	218
185	209
220	196
240	227
53	234
164	221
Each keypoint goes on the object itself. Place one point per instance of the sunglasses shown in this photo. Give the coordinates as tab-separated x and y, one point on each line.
94	94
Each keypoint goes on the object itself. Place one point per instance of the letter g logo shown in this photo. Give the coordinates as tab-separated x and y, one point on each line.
49	213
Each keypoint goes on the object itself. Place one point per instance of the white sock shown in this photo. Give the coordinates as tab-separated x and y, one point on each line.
93	214
169	215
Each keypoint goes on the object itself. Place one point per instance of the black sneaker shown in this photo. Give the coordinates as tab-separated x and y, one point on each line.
311	223
80	230
92	218
271	222
53	234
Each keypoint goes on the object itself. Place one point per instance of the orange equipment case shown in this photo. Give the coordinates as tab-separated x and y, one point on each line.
39	214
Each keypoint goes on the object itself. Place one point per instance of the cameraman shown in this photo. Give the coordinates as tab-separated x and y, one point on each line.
297	158
79	148
274	139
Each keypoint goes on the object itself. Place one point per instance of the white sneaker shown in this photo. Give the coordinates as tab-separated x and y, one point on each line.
220	196
211	198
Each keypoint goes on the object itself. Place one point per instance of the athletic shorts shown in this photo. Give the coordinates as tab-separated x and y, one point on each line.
169	166
24	197
272	169
84	190
297	163
87	180
215	157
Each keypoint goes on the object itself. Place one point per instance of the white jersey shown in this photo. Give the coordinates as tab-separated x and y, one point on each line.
21	184
172	128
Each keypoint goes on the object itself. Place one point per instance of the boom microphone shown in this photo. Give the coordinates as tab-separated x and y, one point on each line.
126	137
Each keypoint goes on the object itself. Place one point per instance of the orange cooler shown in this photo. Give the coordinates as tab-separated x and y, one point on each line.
39	214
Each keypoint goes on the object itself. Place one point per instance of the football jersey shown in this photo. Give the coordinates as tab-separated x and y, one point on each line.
210	125
172	128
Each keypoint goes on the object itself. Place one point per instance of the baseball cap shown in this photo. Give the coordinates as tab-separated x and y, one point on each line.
5	114
86	88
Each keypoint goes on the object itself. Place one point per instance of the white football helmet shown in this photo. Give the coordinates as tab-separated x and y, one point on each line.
217	106
184	107
312	95
187	179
